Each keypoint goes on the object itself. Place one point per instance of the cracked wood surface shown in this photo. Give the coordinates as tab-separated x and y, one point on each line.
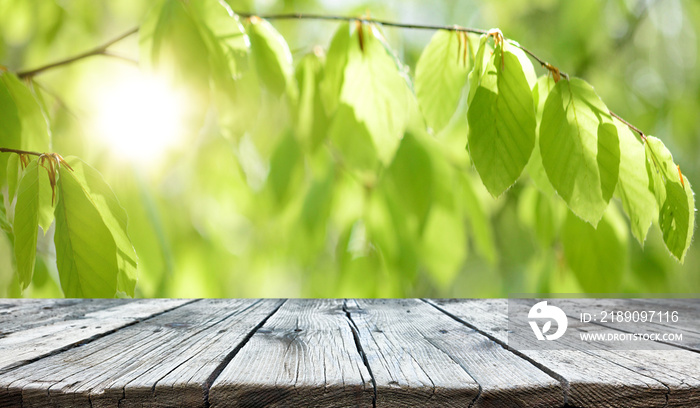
598	376
324	353
304	355
420	356
57	324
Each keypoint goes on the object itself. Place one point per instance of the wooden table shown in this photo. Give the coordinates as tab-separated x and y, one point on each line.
324	353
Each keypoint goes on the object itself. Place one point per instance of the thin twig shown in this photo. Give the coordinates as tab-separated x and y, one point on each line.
642	136
17	151
108	53
304	16
101	50
542	62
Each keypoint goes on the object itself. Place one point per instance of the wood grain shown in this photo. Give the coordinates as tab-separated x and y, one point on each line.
305	355
328	353
595	376
23	314
688	315
163	361
59	324
421	357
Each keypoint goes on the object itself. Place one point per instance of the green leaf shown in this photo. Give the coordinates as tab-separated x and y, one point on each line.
4	223
525	63
501	122
235	88
334	71
597	256
271	56
317	203
410	178
34	125
608	159
312	121
33	209
170	42
86	254
541	214
225	37
114	217
479	221
14	175
674	197
10	125
444	245
352	140
477	72
572	154
286	160
174	44
535	168
377	93
540	92
633	185
441	73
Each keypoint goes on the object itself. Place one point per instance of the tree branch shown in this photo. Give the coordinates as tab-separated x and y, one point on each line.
17	151
101	50
642	136
304	16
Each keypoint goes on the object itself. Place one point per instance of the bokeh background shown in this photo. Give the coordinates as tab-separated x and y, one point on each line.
202	218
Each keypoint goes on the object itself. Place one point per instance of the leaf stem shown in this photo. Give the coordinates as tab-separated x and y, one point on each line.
101	50
642	136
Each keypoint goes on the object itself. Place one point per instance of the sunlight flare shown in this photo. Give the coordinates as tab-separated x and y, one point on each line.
139	117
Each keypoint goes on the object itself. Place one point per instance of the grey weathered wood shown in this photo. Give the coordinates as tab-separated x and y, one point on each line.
41	312
19	312
46	332
421	357
598	376
305	355
676	368
326	353
165	361
688	312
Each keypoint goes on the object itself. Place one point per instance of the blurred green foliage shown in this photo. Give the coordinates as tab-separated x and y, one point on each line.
294	195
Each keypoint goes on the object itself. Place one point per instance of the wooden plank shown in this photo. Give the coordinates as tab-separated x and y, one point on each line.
304	355
320	353
596	377
676	368
168	360
687	324
23	314
22	346
421	357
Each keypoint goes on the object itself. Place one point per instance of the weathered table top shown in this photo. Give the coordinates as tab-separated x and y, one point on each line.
255	353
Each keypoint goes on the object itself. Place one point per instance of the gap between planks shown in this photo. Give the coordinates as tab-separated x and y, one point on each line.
356	336
89	339
217	372
637	378
347	315
564	382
